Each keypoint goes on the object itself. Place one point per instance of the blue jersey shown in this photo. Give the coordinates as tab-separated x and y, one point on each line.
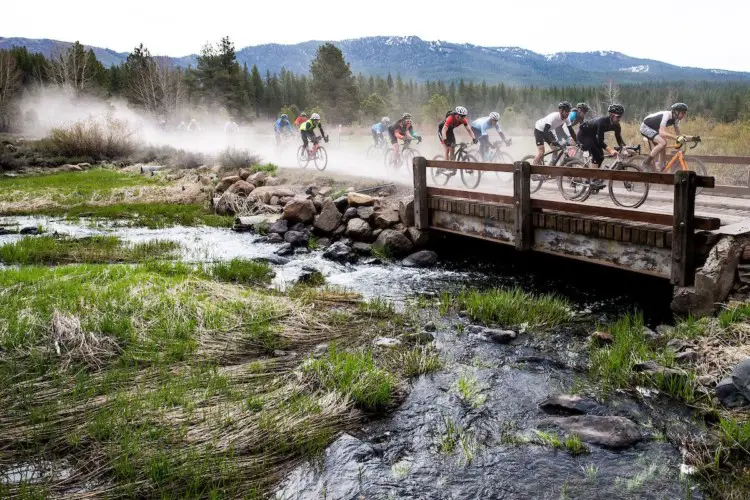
379	128
484	125
281	124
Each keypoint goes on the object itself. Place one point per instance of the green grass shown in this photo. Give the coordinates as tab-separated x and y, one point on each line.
377	308
416	361
470	390
55	250
244	272
575	446
514	308
356	375
734	315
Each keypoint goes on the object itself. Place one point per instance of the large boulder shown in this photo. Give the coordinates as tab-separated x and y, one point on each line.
281	226
366	213
741	377
299	210
329	217
716	277
418	237
688	301
729	395
255	223
296	238
406	212
241	187
386	218
258	178
339	252
423	258
612	432
225	205
362	248
224	183
359	230
393	243
360	200
244	174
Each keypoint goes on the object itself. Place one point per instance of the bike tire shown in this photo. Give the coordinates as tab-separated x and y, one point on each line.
470	178
574	188
388	160
631	194
439	178
321	158
407	158
697	165
504	158
372	152
302	159
536	180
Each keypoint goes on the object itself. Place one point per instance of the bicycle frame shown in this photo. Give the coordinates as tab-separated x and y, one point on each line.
679	156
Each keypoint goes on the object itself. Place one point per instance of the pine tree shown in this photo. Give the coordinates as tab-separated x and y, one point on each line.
334	87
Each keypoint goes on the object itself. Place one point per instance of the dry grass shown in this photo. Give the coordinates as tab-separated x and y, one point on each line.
93	139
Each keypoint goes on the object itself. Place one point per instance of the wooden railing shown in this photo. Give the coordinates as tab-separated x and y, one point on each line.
683	220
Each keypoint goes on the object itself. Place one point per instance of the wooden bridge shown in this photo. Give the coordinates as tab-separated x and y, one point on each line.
669	245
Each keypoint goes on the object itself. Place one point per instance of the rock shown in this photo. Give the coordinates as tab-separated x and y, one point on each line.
296	238
262	239
602	338
499	336
224	183
372	261
298	210
301	250
393	243
376	233
688	301
84	165
386	342
284	249
329	217
688	356
275	238
311	276
729	395
318	202
225	205
4	231
612	432
678	345
244	174
280	226
366	213
350	213
323	242
312	190
653	369
386	218
419	238
715	279
569	403
30	231
406	212
423	258
271	181
474	329
272	259
266	198
241	188
741	377
339	252
421	337
325	191
429	327
359	200
258	178
256	223
650	334
705	380
299	227
360	248
285	200
274	200
359	230
342	203
338	233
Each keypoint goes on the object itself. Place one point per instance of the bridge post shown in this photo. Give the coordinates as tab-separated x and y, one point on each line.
421	220
683	231
524	229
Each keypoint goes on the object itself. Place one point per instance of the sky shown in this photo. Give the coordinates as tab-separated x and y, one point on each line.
686	33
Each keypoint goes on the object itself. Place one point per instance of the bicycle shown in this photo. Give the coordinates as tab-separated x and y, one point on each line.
317	154
500	156
380	148
678	162
578	189
406	155
470	178
559	153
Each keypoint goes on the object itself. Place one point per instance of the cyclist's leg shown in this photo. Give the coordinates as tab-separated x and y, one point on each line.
450	139
375	137
278	137
304	139
394	144
540	140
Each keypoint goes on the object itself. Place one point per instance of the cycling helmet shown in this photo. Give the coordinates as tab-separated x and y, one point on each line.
303	114
495	116
461	111
583	106
406	116
564	105
616	109
315	116
680	106
385	120
284	117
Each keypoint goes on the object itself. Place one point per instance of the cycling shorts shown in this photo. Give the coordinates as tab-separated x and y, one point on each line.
450	136
648	132
542	137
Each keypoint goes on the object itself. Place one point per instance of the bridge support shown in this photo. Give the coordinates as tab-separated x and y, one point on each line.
421	209
683	230
524	223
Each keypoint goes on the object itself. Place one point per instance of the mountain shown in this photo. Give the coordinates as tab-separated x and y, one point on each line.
412	57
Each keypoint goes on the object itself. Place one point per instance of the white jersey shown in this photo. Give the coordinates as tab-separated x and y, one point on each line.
554	121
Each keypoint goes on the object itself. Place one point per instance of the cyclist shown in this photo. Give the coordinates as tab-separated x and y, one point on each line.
654	128
193	126
481	128
307	130
402	129
543	129
591	134
576	117
231	127
302	118
452	120
282	126
378	129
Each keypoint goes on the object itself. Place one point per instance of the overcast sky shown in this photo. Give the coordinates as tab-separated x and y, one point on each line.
704	34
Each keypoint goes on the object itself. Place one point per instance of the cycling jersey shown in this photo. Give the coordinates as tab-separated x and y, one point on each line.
454	121
484	124
300	120
576	118
553	121
595	129
309	126
280	124
379	128
656	121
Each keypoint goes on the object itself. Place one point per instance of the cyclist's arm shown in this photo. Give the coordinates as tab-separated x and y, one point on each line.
322	132
571	133
618	136
663	128
444	133
469	130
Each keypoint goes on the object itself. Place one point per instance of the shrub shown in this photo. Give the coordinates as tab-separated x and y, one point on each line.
91	138
237	158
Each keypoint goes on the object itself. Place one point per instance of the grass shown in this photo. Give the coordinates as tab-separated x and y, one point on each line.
417	361
575	446
237	158
547	439
244	272
91	138
590	471
55	250
450	436
469	390
514	308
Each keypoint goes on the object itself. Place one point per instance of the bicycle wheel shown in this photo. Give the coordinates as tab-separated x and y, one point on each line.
441	176
302	159
470	178
574	188
536	179
628	194
321	158
407	158
697	166
372	151
388	160
504	158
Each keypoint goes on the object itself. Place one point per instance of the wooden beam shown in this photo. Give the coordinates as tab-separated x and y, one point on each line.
470	195
524	222
618	175
683	229
421	210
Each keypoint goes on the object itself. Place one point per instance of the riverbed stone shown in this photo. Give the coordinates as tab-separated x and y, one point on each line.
499	336
360	200
241	188
323	242
256	223
225	182
423	258
225	205
729	395
31	230
687	356
361	248
393	243
690	301
329	217
258	178
602	339
296	238
359	230
299	210
406	212
418	237
569	403
244	174
741	377
366	213
274	200
654	369
284	249
386	342
342	203
386	218
612	432
350	213
280	226
339	252
275	238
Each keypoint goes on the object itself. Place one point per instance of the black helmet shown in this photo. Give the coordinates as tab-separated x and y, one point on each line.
679	106
564	105
616	109
583	106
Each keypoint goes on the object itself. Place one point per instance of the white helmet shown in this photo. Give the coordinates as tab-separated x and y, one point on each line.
385	120
495	116
315	116
461	111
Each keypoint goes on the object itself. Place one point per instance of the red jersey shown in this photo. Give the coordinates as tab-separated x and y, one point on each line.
300	120
454	121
